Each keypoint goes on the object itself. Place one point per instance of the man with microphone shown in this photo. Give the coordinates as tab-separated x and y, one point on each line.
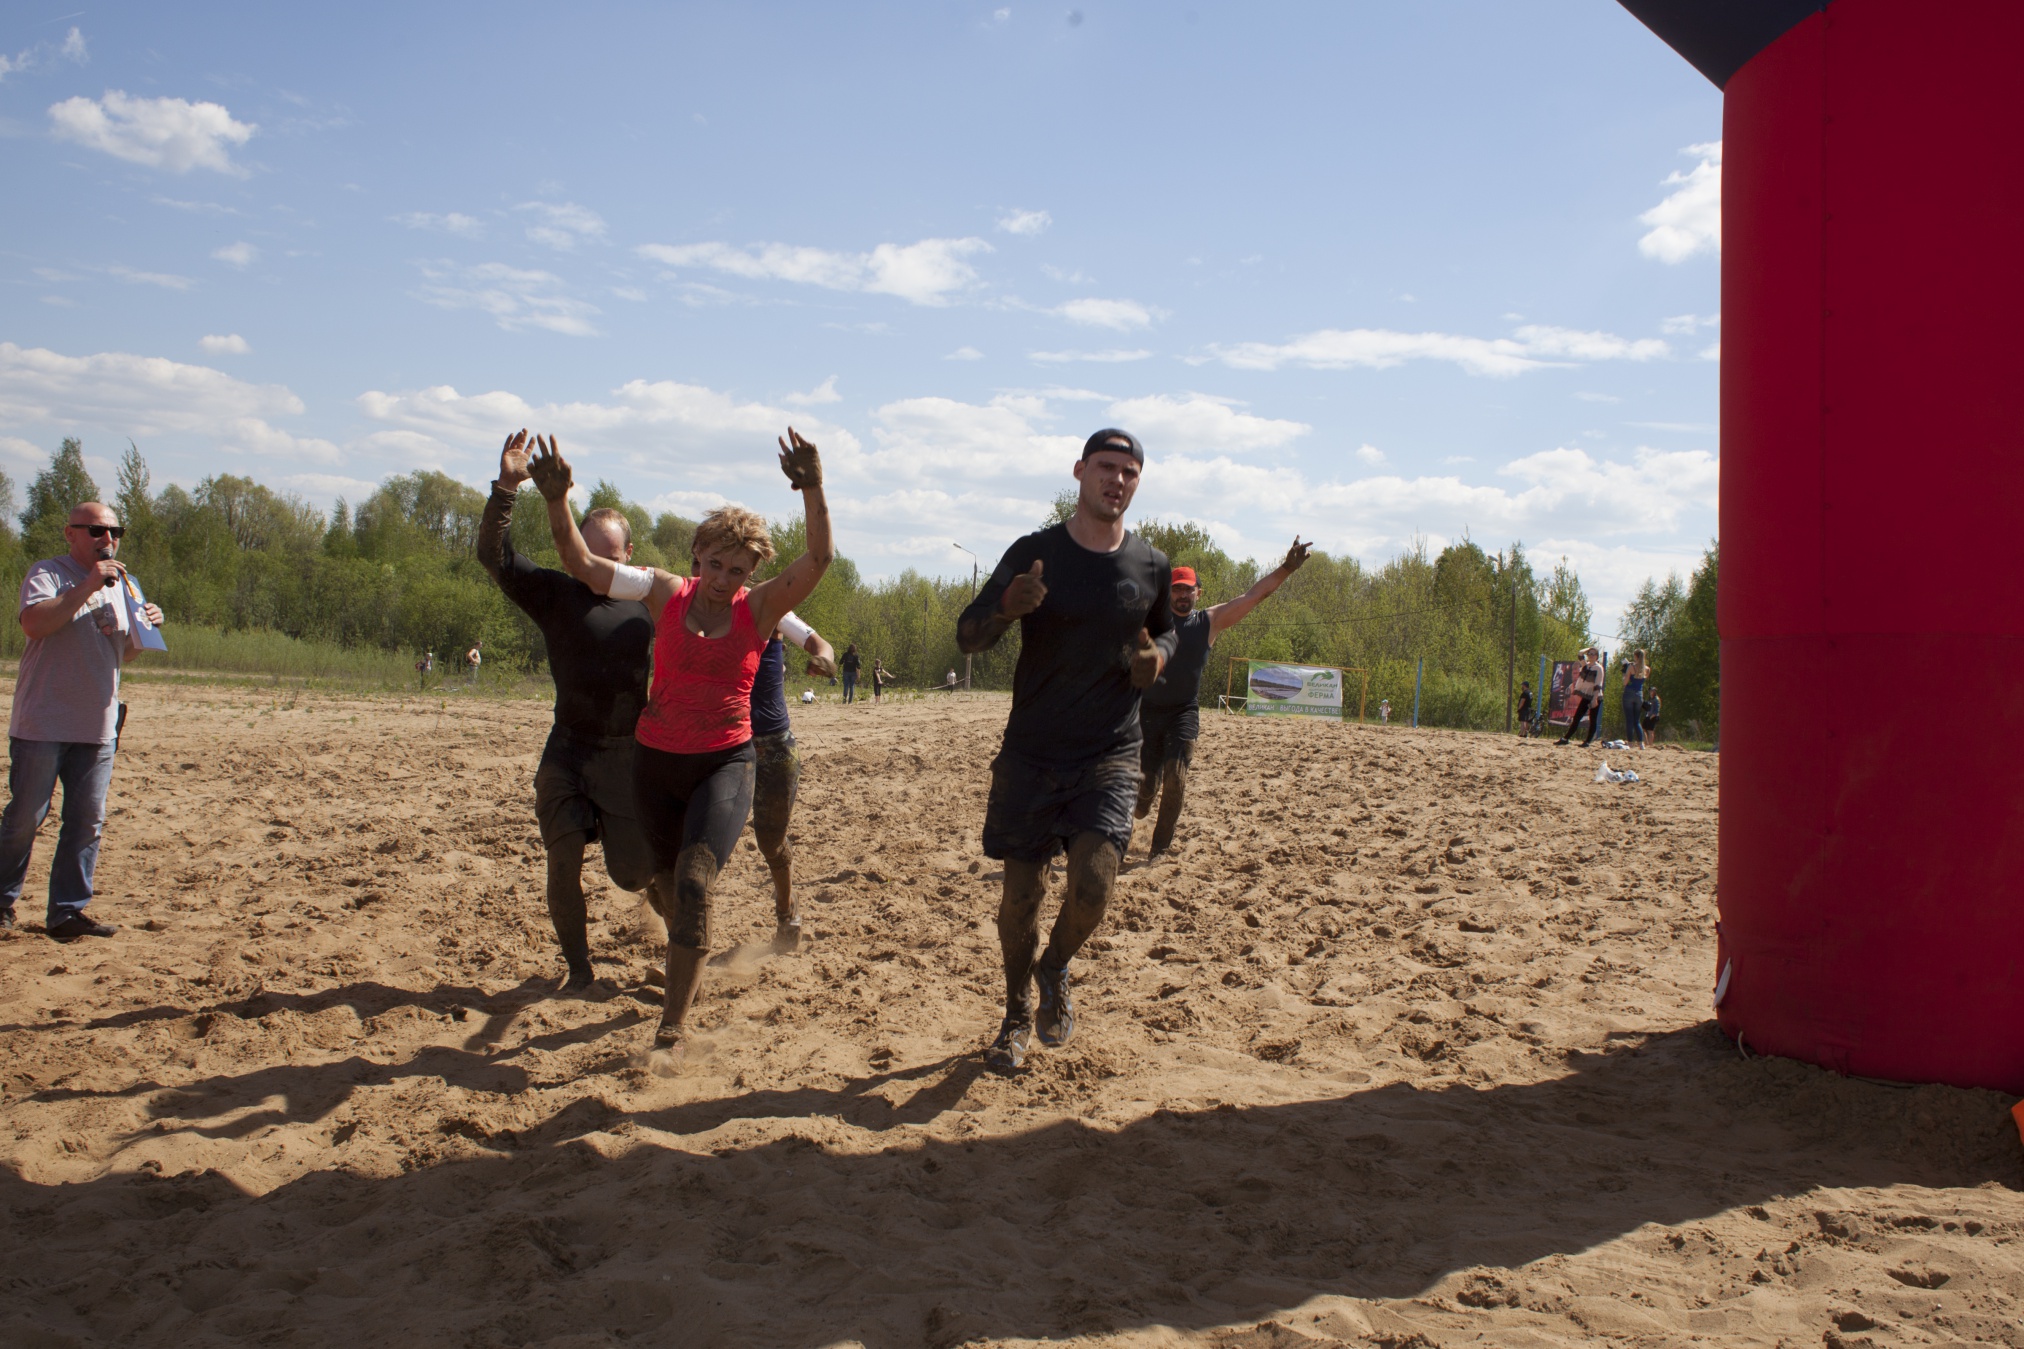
1091	601
65	724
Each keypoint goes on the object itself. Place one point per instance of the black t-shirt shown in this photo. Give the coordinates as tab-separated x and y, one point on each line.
1180	683
598	647
1072	698
850	663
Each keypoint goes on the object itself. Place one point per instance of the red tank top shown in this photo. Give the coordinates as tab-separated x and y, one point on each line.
701	698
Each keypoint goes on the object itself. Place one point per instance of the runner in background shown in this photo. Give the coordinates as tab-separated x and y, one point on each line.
1170	714
777	779
597	651
1384	711
1095	629
880	677
695	765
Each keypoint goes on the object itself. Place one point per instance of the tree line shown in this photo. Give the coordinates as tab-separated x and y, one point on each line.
399	572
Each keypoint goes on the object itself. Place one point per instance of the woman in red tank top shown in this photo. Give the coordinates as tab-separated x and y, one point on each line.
693	766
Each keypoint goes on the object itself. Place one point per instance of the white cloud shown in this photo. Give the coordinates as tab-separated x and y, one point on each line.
1199	422
1532	347
1024	222
687	436
964	354
329	485
166	280
515	298
1712	352
938	438
207	207
563	225
1110	357
1070	276
927	273
74	48
162	133
453	222
227	344
1689	220
240	254
824	392
128	395
1372	455
1121	315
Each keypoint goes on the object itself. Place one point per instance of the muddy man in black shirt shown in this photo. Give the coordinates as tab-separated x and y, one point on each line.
1091	604
597	649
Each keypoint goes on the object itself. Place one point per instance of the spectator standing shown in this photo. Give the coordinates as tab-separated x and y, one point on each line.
1650	719
1635	673
1525	708
880	677
472	660
1588	696
850	664
1384	711
66	719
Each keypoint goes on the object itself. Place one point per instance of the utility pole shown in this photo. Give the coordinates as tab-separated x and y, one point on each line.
1511	651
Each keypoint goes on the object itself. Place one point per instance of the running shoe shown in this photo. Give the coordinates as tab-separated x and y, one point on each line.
6	919
77	925
787	937
1008	1051
1056	1019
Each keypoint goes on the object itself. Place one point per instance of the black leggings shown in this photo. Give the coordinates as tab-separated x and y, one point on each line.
685	799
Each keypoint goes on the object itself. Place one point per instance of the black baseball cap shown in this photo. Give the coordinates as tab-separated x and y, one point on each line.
1110	438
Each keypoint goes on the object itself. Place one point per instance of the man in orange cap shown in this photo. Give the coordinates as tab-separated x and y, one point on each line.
1168	715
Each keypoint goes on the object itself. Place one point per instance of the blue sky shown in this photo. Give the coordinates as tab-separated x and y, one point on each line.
1368	271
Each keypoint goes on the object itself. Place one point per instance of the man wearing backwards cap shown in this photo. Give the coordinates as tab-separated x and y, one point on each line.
1091	604
1169	717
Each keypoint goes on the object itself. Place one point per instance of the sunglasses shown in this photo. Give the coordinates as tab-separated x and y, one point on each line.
101	531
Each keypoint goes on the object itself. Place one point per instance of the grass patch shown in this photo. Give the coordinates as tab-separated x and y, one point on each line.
213	655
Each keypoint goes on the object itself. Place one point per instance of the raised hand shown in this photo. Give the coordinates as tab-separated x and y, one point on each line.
799	461
1146	662
513	460
549	469
822	667
1296	555
1024	595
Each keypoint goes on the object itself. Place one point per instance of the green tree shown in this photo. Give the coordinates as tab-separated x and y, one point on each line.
56	490
1567	604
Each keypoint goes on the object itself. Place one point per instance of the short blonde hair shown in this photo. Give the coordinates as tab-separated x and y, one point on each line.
734	527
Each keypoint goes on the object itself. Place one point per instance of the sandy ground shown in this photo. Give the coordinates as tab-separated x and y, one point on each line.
1407	1044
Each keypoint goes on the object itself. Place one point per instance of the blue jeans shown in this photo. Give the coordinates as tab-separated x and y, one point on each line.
849	687
85	769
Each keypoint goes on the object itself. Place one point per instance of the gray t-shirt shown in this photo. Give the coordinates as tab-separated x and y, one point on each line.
68	686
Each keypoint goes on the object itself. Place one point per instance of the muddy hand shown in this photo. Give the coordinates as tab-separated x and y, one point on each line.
822	667
1025	593
549	469
1295	556
513	460
1146	662
799	461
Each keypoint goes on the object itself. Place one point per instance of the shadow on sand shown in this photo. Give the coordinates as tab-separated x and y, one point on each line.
592	1227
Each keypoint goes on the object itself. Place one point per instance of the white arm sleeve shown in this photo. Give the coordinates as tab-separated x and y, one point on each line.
630	583
794	631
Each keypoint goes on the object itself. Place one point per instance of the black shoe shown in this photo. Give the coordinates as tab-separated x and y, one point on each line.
1008	1051
578	980
1056	1019
77	925
6	920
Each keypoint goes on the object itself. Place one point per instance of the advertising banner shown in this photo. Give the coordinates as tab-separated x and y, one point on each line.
1560	693
1275	689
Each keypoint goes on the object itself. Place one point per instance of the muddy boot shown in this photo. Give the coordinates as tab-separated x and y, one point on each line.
685	976
1173	794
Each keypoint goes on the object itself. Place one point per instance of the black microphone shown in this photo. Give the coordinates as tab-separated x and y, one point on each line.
105	555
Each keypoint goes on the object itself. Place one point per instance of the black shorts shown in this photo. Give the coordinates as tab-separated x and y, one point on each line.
775	786
1035	809
685	799
584	785
1170	734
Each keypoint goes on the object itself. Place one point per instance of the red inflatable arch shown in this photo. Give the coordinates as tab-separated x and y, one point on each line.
1872	525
